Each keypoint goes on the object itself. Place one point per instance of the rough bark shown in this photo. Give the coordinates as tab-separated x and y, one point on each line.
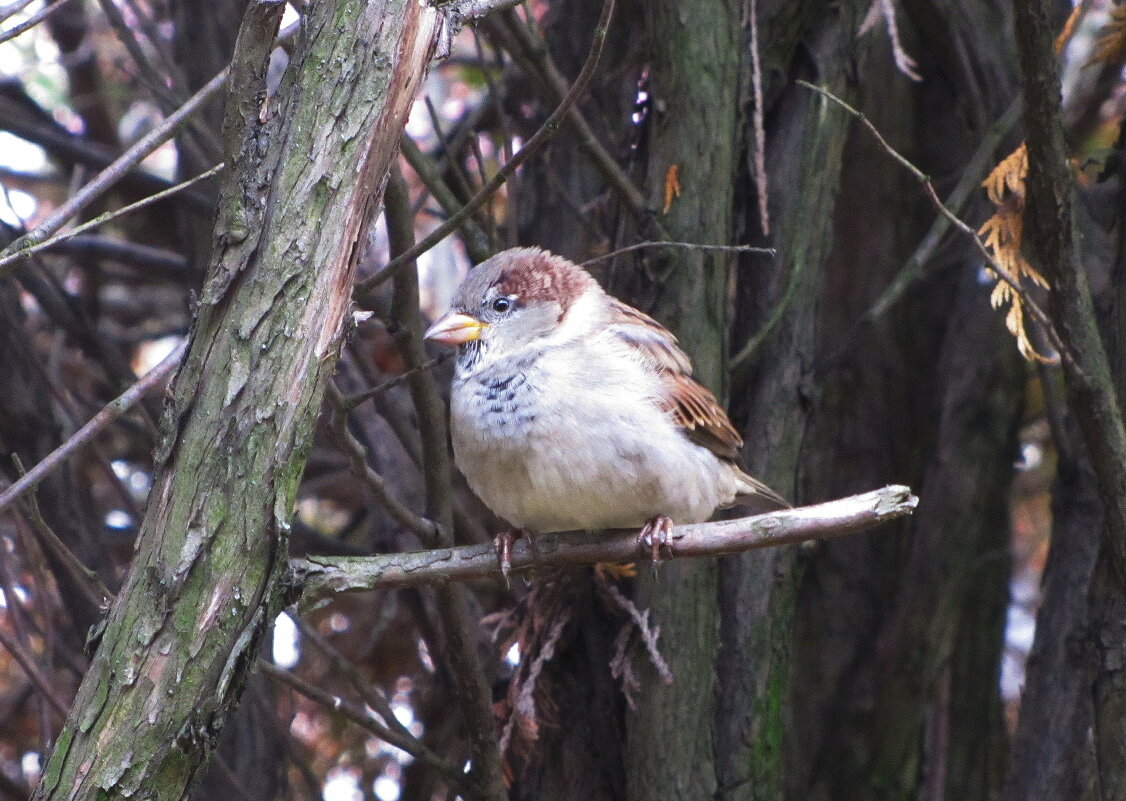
779	303
202	43
694	52
1052	754
1052	245
891	637
206	581
1093	396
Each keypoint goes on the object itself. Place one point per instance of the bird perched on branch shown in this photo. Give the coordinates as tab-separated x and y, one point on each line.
572	410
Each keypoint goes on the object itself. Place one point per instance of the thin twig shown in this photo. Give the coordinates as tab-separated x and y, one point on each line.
111	174
474	237
546	131
685	245
98	422
758	120
10	10
334	703
1037	313
913	268
322	577
455	162
512	206
92	587
369	693
465	666
102	219
164	88
535	51
32	21
466	525
424	529
352	401
972	176
31	669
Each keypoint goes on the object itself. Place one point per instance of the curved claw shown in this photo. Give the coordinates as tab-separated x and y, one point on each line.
503	544
655	535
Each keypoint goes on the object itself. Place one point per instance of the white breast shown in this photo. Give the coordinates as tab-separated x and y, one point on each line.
562	443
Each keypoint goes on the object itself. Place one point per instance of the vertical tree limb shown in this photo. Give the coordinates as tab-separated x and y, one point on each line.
1051	244
1050	240
206	582
465	666
695	67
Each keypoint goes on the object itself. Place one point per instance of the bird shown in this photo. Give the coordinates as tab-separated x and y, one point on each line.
571	410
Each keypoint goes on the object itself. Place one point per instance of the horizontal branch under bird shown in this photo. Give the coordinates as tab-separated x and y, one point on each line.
319	578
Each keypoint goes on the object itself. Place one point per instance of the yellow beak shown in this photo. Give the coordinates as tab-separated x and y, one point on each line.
455	328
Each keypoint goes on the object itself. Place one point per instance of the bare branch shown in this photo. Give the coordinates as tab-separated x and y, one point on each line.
412	745
424	529
976	170
84	578
111	174
476	241
685	245
322	577
352	401
758	120
107	415
31	21
546	131
1037	313
535	51
102	219
474	695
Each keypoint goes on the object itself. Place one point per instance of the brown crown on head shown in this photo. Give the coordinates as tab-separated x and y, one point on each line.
531	274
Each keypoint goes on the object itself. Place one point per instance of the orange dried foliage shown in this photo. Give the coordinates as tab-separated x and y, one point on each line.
1110	47
672	186
1001	234
1069	27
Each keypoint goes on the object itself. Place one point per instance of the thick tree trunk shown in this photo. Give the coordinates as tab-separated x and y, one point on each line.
863	685
805	145
206	582
692	152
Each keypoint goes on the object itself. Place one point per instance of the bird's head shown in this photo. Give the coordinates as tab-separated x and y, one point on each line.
518	298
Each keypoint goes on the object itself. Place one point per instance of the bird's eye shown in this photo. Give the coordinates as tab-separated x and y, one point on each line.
501	305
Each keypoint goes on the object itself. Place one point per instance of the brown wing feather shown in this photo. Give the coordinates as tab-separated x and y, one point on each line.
693	407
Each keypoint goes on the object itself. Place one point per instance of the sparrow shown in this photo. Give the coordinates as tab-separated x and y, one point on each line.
571	410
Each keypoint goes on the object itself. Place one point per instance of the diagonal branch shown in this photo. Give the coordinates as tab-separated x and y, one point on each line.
321	577
111	174
366	720
1038	313
473	688
539	138
97	423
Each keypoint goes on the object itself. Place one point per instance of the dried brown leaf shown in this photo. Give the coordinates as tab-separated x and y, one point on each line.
1002	234
1110	46
672	186
1069	27
1008	176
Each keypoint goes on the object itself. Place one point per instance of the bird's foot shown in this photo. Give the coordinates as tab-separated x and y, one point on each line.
503	544
612	570
655	535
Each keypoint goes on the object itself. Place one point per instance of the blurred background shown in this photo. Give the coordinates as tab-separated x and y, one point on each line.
865	352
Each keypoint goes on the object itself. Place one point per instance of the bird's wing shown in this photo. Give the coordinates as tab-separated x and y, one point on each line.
692	406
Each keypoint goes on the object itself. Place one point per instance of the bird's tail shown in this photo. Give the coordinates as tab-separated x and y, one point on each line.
755	494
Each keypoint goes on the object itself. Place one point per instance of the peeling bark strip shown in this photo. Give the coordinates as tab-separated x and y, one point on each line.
322	577
205	584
